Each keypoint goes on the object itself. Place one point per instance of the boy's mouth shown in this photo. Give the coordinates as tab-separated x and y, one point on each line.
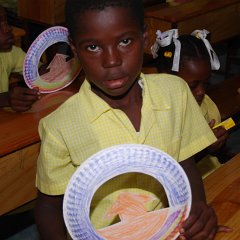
116	82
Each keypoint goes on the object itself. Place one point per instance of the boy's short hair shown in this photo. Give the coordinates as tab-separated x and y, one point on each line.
192	48
74	8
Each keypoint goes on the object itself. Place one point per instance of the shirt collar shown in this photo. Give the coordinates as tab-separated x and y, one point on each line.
97	106
155	99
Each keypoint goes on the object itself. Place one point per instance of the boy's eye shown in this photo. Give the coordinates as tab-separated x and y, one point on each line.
93	48
125	42
193	86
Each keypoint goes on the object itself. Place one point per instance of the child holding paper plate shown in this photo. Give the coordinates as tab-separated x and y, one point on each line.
117	104
11	61
192	58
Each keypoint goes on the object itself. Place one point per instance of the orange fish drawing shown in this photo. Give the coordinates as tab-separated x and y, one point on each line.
58	68
136	222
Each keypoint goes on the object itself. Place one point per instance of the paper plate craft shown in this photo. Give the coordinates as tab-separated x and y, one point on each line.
135	221
61	71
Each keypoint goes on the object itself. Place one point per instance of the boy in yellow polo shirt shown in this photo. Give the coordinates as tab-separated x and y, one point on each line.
117	104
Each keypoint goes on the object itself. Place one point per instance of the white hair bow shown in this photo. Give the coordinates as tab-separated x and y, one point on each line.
202	34
164	39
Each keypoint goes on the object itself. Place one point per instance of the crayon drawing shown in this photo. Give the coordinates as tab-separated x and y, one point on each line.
135	222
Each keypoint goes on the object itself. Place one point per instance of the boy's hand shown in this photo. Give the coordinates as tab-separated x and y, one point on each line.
21	98
220	133
201	223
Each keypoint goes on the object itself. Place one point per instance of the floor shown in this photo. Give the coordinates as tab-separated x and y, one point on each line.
21	226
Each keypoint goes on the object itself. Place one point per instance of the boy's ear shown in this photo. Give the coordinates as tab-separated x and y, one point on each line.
145	36
73	48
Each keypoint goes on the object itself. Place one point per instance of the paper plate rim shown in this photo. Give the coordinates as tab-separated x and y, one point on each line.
35	51
106	151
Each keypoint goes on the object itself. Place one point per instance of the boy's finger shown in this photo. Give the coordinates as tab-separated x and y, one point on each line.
222	228
211	123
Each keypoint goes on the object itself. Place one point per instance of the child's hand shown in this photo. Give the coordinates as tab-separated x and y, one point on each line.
221	134
21	98
201	223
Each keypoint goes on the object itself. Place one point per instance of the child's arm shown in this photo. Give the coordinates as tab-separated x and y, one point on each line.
49	217
220	133
20	99
202	221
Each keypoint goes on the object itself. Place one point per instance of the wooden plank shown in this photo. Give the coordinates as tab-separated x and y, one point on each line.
186	10
221	23
218	17
223	191
19	130
226	96
50	12
17	178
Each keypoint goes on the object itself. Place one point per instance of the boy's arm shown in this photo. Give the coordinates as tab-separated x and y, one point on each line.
21	98
218	148
195	179
202	221
49	217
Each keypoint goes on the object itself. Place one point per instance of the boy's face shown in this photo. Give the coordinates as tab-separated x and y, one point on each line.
6	36
110	45
196	73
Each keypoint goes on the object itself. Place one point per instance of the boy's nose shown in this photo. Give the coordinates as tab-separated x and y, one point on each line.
200	91
112	58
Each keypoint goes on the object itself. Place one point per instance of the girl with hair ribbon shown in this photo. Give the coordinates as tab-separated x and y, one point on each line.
192	58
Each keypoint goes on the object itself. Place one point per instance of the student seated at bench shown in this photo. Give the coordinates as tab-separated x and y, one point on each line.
192	58
11	60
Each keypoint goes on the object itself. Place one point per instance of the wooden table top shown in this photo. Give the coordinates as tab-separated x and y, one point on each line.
223	193
18	130
186	10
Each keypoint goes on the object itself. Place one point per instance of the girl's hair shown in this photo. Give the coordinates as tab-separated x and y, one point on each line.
74	8
192	48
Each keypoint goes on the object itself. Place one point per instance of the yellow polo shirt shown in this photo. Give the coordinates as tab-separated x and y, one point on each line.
210	111
11	61
85	124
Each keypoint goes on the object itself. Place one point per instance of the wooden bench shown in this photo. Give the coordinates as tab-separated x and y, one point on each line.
220	17
19	148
